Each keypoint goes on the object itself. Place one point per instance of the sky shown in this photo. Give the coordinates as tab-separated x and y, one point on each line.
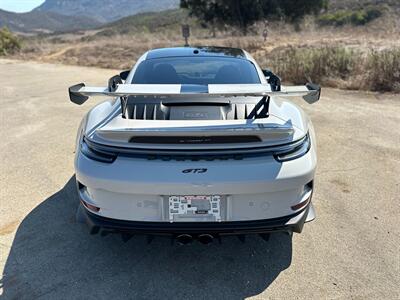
19	5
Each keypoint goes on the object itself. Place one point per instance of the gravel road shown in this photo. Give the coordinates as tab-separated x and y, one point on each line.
351	251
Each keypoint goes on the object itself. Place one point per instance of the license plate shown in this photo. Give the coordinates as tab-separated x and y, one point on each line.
194	208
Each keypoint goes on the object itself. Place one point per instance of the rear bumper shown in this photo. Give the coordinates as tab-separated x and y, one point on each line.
292	223
136	191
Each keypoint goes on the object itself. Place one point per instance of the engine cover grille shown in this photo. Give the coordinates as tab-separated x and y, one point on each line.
244	108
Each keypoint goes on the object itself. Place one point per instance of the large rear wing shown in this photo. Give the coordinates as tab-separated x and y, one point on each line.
80	93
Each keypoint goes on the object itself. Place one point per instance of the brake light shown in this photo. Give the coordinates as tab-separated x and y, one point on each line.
300	205
296	152
90	206
98	155
307	198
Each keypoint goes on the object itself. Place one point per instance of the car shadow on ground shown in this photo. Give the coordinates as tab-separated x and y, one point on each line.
54	257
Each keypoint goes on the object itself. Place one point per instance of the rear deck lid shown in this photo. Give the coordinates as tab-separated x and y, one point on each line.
194	134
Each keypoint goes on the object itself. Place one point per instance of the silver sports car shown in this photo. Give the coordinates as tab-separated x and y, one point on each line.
195	143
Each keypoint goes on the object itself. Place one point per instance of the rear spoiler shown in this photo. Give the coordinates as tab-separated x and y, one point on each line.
79	93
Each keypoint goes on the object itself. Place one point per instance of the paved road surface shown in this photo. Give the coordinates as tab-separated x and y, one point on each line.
351	251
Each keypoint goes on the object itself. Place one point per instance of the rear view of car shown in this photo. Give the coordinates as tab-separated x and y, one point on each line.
197	143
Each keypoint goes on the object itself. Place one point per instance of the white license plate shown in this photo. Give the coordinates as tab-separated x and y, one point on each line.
194	208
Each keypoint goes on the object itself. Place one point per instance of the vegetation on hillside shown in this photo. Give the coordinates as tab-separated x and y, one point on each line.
244	13
352	5
105	10
145	23
348	17
9	43
39	21
354	57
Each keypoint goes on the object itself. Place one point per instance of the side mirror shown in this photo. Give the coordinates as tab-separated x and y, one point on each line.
124	74
315	93
75	96
273	80
113	83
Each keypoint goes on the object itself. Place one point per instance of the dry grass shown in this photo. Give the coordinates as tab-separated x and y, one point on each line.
300	64
338	66
383	70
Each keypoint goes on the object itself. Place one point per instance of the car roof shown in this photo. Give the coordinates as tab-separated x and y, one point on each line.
196	51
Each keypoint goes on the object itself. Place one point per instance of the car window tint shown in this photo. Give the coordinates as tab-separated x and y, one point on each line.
196	70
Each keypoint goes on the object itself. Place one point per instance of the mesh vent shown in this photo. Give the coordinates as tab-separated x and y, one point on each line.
195	157
232	111
179	140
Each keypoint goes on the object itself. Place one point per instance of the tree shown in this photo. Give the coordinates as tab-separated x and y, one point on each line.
205	10
244	13
9	43
293	10
237	13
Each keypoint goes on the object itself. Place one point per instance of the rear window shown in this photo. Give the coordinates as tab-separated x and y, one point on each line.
196	70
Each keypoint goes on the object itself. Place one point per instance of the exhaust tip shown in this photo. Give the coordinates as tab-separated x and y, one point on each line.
184	239
205	238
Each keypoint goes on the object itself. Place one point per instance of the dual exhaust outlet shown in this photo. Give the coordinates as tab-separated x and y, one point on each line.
185	239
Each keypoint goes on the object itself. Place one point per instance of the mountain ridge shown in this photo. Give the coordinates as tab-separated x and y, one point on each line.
105	10
39	21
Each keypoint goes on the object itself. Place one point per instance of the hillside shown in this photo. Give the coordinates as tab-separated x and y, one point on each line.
146	22
105	10
356	47
152	22
39	21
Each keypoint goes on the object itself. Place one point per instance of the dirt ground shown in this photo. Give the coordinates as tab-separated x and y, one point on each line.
351	251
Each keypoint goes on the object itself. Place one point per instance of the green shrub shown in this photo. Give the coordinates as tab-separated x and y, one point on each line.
343	17
9	43
372	13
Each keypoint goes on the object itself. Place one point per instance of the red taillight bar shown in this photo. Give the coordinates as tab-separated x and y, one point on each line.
90	207
302	203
